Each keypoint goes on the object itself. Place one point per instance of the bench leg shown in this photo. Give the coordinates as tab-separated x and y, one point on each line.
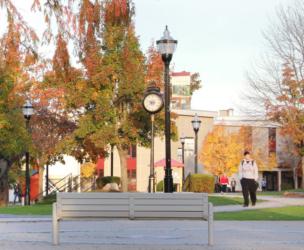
55	225
210	224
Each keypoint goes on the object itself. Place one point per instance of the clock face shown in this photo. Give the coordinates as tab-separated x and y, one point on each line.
153	103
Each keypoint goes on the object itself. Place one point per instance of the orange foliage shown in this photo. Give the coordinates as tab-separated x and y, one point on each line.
155	67
117	12
221	152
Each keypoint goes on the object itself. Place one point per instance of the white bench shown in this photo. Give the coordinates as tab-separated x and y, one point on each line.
133	206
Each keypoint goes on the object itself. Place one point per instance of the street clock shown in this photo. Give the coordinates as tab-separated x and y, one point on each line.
153	100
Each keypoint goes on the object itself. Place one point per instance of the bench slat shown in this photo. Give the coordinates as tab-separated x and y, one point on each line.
92	207
171	208
169	202
96	214
171	196
81	201
93	195
169	214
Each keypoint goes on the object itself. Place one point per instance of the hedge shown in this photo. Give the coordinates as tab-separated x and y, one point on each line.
160	186
200	183
102	181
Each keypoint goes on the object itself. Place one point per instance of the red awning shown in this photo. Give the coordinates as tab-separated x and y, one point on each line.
174	163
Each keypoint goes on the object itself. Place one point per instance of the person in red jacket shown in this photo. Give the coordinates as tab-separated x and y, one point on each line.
224	182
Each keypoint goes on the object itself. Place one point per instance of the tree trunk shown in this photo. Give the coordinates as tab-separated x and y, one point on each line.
3	183
41	172
123	155
302	166
295	178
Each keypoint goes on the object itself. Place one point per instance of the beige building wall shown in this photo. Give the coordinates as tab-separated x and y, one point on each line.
285	151
260	142
184	127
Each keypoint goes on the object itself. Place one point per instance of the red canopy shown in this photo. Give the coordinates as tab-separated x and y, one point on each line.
174	163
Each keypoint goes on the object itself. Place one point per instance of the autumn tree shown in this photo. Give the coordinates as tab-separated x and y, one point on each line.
155	67
221	152
277	83
13	136
123	70
195	82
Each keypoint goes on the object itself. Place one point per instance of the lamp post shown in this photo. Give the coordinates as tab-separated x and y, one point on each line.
28	111
153	103
47	179
182	140
196	123
166	47
112	160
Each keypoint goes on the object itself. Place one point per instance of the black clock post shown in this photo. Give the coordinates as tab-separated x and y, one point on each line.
153	103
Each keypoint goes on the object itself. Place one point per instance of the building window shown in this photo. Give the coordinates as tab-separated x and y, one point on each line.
183	90
132	151
272	140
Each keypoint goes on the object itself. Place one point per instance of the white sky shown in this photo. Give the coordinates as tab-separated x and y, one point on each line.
220	39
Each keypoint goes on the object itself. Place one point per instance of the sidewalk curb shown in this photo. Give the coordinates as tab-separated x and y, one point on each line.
11	219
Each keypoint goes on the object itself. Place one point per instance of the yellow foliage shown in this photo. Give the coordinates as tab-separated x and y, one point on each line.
264	163
88	169
221	152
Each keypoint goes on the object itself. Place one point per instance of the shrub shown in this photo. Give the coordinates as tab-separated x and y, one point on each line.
102	181
50	199
160	186
200	183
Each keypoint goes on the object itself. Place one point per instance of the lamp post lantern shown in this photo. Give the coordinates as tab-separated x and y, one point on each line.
196	123
166	47
28	111
182	140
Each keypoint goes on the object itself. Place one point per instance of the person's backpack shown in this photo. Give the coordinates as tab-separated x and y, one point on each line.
252	162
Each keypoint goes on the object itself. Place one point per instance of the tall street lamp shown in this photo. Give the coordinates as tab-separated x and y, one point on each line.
196	123
112	160
166	47
182	140
28	111
153	103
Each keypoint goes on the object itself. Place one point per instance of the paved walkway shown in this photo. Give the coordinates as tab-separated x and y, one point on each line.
153	235
268	202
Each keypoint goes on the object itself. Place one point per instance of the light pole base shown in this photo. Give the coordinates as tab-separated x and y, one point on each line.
151	184
168	184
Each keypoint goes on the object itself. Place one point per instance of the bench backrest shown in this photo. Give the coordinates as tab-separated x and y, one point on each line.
133	205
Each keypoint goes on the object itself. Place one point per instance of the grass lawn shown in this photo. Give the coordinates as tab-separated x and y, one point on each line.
269	214
280	193
223	201
38	209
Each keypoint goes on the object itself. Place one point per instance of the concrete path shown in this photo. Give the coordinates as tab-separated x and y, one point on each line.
152	235
268	202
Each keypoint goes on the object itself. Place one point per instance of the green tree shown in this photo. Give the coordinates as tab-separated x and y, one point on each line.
13	136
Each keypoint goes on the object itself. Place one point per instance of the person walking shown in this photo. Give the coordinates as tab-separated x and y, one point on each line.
248	173
264	184
16	192
233	185
224	182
